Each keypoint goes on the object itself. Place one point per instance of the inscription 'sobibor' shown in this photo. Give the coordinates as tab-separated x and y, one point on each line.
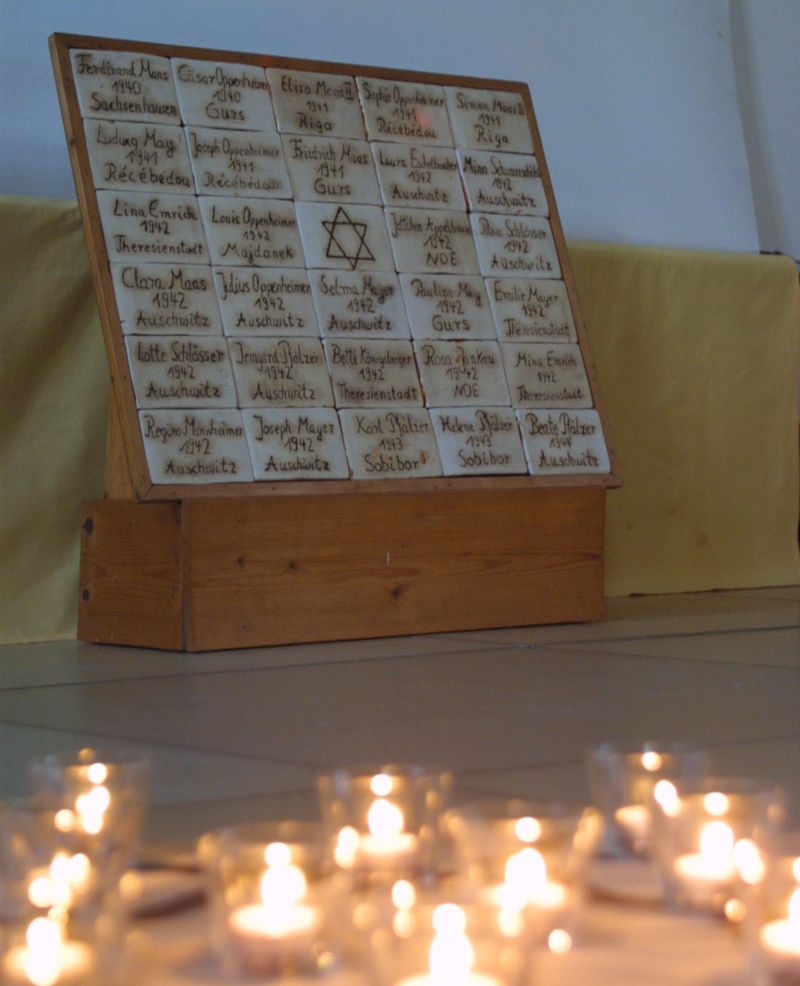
390	444
296	444
195	446
563	441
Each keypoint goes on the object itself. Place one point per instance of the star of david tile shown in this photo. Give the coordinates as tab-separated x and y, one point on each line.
346	239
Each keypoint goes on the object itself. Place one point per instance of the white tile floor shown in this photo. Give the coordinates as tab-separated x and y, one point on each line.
240	735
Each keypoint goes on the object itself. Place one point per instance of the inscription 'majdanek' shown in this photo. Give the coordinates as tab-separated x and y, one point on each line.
251	232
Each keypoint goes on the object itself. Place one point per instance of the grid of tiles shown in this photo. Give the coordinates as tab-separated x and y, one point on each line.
328	277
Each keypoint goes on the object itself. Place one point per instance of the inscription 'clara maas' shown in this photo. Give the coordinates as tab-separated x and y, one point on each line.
176	298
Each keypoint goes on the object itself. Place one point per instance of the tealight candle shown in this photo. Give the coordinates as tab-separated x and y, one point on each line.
713	868
47	959
634	820
387	843
780	942
451	954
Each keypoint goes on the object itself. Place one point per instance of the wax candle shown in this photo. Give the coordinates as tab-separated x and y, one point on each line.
451	955
780	942
711	870
387	843
47	959
634	820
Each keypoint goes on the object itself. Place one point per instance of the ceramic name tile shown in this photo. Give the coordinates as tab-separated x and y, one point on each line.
344	237
296	444
280	372
447	306
138	156
461	373
390	444
331	169
359	305
541	375
315	103
238	162
531	310
179	371
476	441
367	373
249	232
410	112
489	119
223	94
174	298
120	85
561	442
507	183
428	241
202	446
419	175
142	226
266	301
515	246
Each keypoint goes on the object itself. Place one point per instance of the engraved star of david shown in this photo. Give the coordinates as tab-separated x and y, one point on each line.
346	239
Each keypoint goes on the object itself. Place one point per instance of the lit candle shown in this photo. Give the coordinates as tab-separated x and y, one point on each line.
780	941
47	959
634	820
713	868
451	955
387	843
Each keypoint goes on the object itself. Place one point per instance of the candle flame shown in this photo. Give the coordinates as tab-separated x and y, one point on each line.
652	761
716	803
451	955
528	829
346	848
748	861
384	818
716	842
92	807
381	785
666	794
43	960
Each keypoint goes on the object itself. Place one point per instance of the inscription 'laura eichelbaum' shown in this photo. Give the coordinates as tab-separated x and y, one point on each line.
560	442
223	94
233	162
119	85
280	372
478	441
180	371
390	443
531	310
366	305
419	175
504	183
406	112
367	373
250	232
316	104
514	246
447	306
143	226
138	156
268	301
330	169
542	375
195	446
288	444
461	373
489	119
158	298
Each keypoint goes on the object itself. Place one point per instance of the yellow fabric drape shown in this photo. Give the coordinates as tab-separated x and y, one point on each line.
697	362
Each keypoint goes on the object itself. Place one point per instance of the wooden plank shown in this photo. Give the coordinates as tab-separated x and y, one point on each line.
131	574
310	569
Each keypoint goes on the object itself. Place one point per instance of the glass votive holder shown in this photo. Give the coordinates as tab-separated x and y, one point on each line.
383	822
622	780
701	829
269	896
772	920
529	857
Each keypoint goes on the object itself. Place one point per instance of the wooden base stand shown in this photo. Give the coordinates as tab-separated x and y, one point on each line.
207	574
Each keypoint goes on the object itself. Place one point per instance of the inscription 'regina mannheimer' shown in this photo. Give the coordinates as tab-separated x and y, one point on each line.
295	444
195	446
390	444
158	298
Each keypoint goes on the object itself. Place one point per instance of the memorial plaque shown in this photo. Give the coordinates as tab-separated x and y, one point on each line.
238	162
180	371
428	241
458	373
251	232
390	444
506	183
366	305
316	104
344	237
515	246
144	226
280	372
407	112
174	298
531	310
266	301
563	442
476	441
222	94
489	119
447	306
124	85
144	157
329	169
296	444
368	373
419	175
546	376
195	446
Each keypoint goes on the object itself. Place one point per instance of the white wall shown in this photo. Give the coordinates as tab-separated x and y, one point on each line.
636	99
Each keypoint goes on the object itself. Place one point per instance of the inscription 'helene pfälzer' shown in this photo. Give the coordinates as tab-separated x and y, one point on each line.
122	85
542	375
331	169
459	373
427	241
406	112
296	444
505	183
174	298
280	372
478	441
563	442
316	104
233	162
138	156
266	301
222	94
359	305
195	447
389	444
160	228
180	371
372	373
447	306
514	246
251	232
534	310
489	119
419	175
